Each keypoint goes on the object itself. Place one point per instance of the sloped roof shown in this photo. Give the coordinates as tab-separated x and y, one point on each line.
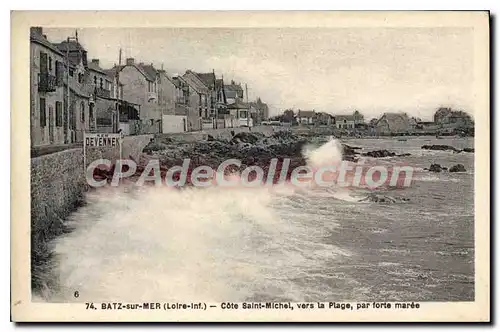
238	105
323	114
233	87
75	49
95	67
38	38
207	78
79	89
393	117
230	94
148	71
70	46
306	114
110	72
344	117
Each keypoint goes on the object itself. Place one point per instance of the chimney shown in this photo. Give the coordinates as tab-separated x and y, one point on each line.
36	30
130	61
95	62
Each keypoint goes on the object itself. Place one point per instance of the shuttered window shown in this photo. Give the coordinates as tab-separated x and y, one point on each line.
59	73
43	62
42	113
82	112
58	114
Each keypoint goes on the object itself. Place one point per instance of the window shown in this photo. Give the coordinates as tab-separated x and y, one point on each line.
80	78
50	64
95	80
42	113
152	121
82	111
43	62
59	72
71	71
58	114
101	84
91	112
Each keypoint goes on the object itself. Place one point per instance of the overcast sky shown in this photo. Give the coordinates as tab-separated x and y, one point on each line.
335	70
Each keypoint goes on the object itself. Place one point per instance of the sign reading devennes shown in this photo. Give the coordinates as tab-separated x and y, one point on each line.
102	140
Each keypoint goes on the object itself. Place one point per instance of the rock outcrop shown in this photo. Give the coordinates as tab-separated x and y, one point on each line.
379	154
457	168
436	168
440	148
380	198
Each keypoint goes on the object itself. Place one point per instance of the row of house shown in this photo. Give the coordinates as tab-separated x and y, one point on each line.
389	123
71	94
338	121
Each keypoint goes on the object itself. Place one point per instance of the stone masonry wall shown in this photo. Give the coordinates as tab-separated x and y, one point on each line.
58	182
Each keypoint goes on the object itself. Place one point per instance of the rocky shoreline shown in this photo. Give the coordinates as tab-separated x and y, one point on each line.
252	149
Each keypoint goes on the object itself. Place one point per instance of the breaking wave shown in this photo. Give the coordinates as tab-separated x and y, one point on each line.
212	244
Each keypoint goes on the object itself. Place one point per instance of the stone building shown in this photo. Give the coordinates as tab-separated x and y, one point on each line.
446	117
394	123
48	117
188	102
323	118
80	93
358	118
345	121
306	117
204	94
233	92
239	115
261	111
139	83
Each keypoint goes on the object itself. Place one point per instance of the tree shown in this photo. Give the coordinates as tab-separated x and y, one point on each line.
288	115
373	122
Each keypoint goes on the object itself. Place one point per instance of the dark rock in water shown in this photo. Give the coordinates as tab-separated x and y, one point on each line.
210	138
349	150
379	198
404	155
435	168
379	154
351	147
457	168
350	158
439	147
468	150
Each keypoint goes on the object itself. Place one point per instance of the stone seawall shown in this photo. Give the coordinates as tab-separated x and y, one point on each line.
58	181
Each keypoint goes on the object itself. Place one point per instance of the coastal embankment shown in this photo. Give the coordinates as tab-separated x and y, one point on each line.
57	189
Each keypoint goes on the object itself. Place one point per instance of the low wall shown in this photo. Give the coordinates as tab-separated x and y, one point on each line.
58	182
